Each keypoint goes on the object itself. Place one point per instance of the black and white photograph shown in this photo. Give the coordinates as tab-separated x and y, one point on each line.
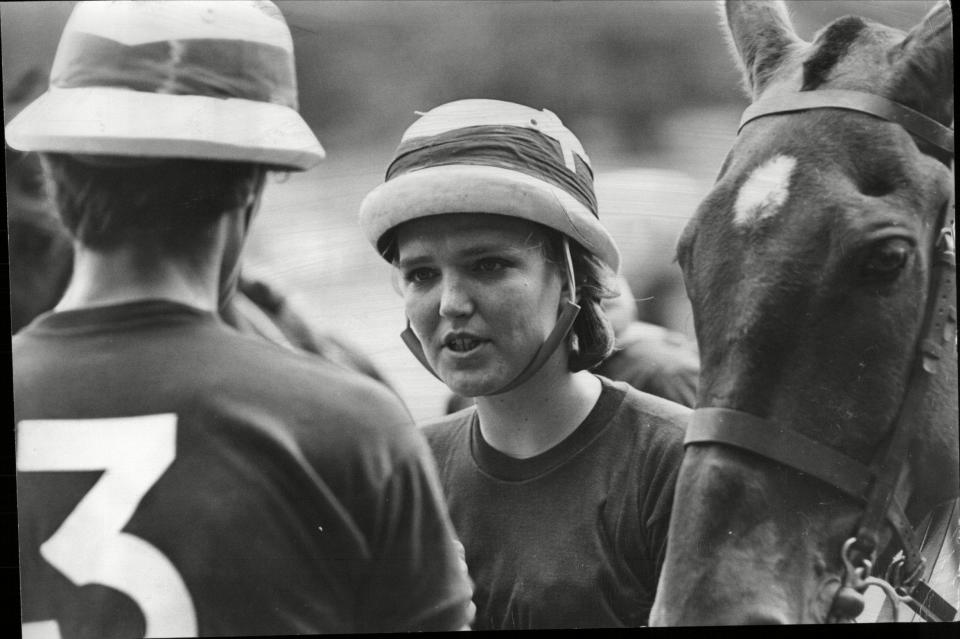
389	316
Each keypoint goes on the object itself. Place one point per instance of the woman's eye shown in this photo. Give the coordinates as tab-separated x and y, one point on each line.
418	275
490	265
887	259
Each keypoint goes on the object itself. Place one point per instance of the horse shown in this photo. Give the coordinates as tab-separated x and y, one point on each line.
820	269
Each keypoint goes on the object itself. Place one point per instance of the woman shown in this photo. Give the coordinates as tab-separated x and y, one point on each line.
559	482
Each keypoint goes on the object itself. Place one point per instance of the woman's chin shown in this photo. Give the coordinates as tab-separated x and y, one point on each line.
472	383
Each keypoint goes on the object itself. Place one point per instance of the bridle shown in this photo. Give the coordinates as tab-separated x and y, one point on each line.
875	484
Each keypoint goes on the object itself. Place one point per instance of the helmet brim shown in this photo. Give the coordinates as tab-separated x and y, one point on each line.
450	189
115	121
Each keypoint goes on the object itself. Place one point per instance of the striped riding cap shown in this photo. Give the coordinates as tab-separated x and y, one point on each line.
201	80
489	156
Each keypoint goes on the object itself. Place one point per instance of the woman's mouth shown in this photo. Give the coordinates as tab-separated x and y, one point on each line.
462	343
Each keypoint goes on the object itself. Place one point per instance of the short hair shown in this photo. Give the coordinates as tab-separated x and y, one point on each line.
593	338
108	201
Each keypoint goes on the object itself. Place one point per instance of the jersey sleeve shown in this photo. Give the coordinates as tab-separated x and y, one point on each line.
659	480
418	580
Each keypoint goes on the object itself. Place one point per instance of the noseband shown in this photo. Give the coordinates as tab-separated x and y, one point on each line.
875	484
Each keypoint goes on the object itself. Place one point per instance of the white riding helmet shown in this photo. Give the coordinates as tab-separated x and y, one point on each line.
199	80
490	156
500	158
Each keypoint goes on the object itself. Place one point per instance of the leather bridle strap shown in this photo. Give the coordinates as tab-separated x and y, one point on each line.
779	444
916	123
936	337
790	448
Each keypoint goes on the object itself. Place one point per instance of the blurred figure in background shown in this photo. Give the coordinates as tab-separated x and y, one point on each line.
259	309
41	261
174	477
650	358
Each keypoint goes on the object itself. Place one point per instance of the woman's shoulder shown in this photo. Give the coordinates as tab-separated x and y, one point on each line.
660	415
651	431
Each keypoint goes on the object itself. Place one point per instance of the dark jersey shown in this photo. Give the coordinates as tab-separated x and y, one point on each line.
573	537
180	479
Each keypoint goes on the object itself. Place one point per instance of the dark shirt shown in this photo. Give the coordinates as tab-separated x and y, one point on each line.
177	477
575	536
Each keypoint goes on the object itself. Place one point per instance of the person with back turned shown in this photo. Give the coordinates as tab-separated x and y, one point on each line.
175	477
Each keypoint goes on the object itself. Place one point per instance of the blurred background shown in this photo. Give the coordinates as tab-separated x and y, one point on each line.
648	87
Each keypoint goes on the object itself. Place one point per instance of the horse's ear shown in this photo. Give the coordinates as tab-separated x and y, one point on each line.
923	65
761	35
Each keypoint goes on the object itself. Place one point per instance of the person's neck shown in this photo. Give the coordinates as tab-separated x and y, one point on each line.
127	275
540	413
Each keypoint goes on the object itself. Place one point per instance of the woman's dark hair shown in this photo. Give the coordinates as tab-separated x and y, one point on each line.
107	201
595	282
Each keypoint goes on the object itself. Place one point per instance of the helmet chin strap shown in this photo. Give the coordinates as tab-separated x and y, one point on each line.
560	331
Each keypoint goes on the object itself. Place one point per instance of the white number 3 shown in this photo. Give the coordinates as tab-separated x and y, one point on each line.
90	547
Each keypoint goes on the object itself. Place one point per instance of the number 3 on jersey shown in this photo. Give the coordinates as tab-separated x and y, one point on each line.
91	547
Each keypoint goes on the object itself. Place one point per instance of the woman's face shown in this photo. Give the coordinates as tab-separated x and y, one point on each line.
479	294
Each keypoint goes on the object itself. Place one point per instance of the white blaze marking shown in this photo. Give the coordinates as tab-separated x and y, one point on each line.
765	190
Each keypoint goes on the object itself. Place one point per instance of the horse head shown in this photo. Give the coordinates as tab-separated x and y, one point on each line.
809	267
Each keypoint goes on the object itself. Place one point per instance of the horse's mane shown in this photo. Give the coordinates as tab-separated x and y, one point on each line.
832	44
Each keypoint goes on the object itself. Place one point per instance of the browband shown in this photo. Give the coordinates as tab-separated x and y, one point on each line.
914	122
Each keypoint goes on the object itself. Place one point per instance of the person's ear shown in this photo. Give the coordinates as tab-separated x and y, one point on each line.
255	197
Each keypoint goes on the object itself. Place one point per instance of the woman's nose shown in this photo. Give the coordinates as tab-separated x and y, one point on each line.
455	299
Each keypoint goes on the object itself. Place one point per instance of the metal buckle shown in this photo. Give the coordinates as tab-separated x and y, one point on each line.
904	584
859	579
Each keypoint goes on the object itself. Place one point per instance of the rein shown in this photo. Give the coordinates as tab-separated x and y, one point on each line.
875	484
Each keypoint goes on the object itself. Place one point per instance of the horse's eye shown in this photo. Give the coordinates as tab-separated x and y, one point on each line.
887	259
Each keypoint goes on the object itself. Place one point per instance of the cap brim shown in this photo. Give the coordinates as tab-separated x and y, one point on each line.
110	121
483	189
